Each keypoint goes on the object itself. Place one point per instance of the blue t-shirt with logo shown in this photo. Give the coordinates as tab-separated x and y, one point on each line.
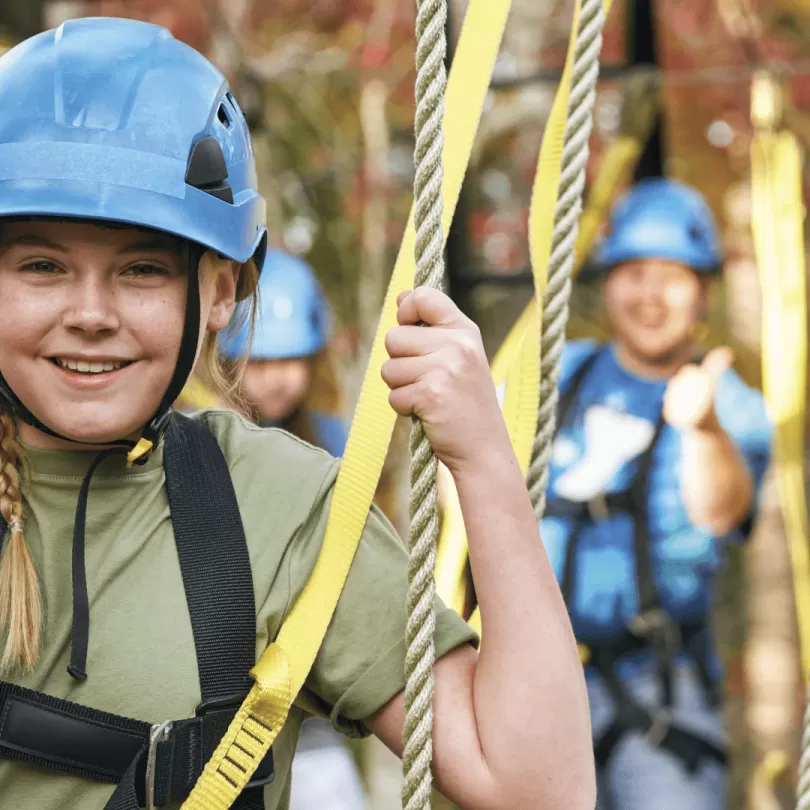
610	424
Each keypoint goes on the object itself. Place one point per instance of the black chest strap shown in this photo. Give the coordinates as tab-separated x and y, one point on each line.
214	559
215	565
632	501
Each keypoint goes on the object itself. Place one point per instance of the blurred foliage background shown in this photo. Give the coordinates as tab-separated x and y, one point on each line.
327	86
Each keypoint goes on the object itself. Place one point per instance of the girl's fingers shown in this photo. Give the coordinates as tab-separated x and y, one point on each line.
402	400
412	341
430	307
403	371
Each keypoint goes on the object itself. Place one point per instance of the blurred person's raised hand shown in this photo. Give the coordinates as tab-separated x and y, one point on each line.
690	395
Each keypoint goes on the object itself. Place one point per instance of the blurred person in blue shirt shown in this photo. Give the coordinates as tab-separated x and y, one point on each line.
656	466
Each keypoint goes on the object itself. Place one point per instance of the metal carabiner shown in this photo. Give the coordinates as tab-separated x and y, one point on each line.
660	725
159	733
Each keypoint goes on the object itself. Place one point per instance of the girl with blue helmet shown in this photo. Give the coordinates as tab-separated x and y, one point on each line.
149	557
656	465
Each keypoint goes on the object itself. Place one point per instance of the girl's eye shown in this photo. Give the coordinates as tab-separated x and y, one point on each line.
145	270
41	266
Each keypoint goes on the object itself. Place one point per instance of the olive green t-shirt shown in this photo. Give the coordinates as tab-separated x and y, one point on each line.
141	660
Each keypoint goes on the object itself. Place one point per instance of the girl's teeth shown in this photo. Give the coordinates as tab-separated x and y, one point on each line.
87	367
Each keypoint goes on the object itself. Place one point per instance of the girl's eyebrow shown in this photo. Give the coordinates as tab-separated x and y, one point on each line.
150	244
154	244
32	240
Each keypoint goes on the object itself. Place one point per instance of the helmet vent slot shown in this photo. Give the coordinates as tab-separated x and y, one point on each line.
207	170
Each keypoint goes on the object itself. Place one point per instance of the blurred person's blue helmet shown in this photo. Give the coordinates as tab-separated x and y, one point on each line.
661	219
115	120
292	317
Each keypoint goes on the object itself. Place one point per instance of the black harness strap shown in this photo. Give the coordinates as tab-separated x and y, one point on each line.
214	559
45	731
557	507
648	598
651	622
689	747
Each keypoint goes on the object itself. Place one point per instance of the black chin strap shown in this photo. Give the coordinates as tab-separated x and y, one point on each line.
186	356
21	412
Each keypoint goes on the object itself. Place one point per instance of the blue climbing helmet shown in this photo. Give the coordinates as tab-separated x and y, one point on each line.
661	219
292	316
114	119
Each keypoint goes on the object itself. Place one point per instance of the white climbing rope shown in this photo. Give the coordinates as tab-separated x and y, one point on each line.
566	224
431	81
430	87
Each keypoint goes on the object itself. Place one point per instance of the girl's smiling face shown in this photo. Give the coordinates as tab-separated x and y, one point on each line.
91	320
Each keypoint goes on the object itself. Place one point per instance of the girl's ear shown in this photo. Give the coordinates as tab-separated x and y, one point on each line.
224	278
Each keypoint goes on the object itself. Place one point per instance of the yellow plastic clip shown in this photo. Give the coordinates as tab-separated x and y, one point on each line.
775	766
143	447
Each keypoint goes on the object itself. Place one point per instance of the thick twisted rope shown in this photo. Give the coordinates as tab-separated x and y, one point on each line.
566	224
431	80
803	789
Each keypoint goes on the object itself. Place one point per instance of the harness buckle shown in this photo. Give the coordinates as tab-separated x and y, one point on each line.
651	621
660	725
598	508
159	733
656	626
223	703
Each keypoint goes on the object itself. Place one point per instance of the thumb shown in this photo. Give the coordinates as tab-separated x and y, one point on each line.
717	361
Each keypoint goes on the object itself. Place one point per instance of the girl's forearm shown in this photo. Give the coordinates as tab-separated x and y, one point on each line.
529	693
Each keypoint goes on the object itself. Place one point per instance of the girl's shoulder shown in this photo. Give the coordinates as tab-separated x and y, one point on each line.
271	466
239	437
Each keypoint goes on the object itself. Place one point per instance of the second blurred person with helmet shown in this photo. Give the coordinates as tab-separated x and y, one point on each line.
656	465
289	382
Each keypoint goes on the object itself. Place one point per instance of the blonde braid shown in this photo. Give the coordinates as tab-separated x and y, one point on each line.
20	607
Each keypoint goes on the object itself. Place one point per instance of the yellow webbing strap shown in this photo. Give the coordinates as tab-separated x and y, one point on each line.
522	395
777	225
281	672
513	365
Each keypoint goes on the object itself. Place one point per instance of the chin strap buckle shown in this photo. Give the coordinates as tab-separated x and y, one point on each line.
150	438
141	449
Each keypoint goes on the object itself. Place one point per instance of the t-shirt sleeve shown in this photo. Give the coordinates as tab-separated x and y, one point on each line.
361	662
742	413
